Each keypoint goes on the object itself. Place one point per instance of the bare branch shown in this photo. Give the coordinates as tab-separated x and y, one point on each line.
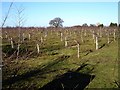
7	14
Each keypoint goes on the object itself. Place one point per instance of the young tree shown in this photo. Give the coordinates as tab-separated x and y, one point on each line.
78	48
56	22
96	42
20	20
66	42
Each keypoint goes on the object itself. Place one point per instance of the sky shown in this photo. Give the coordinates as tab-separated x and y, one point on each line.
72	13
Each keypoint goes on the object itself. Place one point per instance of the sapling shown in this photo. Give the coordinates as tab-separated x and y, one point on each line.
45	34
66	42
57	33
23	37
20	20
51	32
100	32
96	42
11	41
29	36
38	48
93	36
81	37
18	49
6	35
114	35
108	37
85	33
1	37
78	46
74	32
70	33
61	35
106	32
41	39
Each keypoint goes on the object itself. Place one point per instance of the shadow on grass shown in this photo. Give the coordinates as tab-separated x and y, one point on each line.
72	80
102	46
38	71
27	51
105	44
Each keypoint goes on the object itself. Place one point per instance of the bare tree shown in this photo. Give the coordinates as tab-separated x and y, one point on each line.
20	20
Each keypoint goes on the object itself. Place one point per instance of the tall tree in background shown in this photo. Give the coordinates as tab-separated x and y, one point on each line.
85	25
56	22
101	25
113	24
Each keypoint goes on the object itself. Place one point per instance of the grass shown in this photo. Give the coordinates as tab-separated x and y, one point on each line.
55	60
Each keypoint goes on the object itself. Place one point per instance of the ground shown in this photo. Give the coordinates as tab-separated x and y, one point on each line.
37	70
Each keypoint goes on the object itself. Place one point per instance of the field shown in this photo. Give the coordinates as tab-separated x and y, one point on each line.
41	58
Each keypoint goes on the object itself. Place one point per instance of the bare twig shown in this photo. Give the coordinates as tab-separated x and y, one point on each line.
7	14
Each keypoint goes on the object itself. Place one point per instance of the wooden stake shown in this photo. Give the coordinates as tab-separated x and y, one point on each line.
41	39
18	49
96	43
11	41
65	41
61	35
78	46
38	48
108	39
114	35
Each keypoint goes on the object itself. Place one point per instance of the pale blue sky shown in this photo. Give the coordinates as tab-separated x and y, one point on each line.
73	13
